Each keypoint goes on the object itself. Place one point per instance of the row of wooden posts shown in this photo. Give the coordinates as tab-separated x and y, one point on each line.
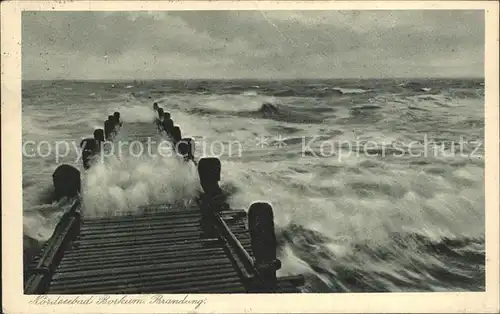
92	146
261	269
66	178
66	181
183	146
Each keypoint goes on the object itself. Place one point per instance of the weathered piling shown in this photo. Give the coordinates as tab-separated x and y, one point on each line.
110	127
160	115
66	180
263	239
107	129
99	135
89	148
176	134
209	170
168	126
93	146
159	118
185	147
117	118
111	124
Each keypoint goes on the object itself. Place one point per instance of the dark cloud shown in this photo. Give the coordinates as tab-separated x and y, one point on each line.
261	44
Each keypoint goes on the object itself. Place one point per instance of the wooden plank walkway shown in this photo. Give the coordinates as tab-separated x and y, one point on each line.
206	249
160	252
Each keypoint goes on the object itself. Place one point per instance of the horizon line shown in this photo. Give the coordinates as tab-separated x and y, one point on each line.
255	79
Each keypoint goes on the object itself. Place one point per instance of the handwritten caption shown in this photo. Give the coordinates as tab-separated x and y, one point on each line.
116	300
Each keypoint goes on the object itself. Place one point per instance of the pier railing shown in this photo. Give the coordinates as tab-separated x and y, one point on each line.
66	230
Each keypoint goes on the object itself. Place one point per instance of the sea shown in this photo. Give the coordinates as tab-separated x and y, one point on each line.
377	185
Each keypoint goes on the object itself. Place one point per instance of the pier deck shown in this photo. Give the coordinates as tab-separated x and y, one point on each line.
158	251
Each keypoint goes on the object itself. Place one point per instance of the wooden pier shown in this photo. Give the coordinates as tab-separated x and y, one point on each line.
208	248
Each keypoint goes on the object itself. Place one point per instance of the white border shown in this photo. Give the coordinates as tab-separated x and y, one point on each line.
16	302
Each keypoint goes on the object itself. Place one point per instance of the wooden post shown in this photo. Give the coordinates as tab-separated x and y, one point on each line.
107	129
185	148
113	123
90	146
67	183
176	134
116	114
99	137
209	170
263	241
168	126
66	180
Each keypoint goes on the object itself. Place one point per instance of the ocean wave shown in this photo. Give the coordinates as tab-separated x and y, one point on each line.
353	267
250	93
366	107
311	92
120	186
136	113
346	91
273	110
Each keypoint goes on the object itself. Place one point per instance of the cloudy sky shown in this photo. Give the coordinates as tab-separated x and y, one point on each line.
252	44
